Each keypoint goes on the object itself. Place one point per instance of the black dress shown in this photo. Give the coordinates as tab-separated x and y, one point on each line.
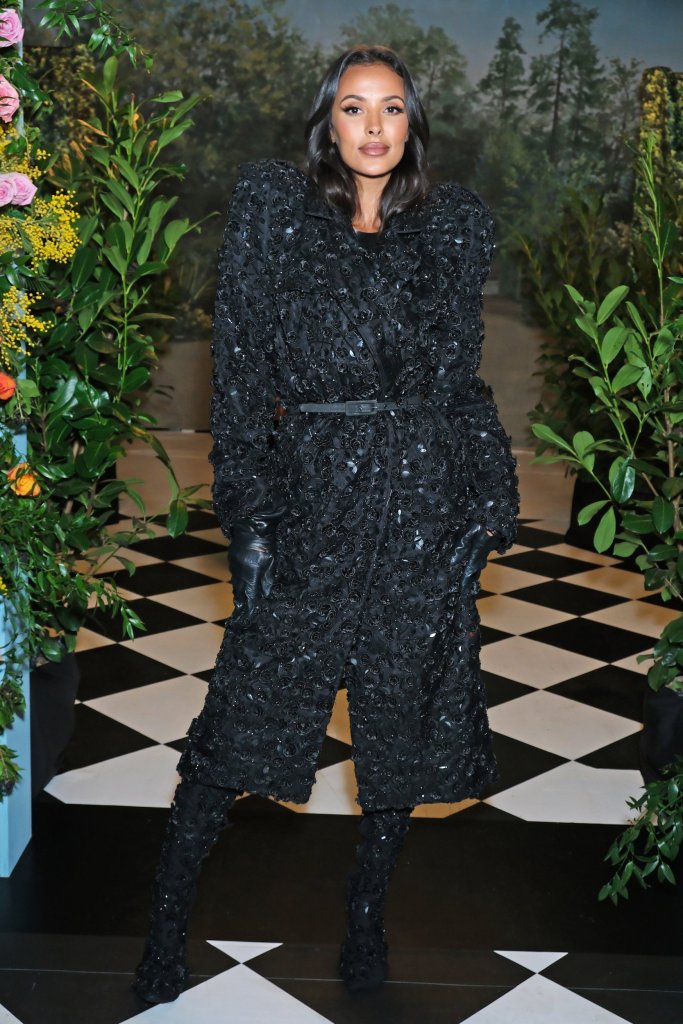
366	589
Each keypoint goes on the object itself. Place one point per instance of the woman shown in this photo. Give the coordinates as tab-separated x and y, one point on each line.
349	426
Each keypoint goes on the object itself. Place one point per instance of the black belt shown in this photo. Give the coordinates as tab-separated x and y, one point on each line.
368	406
360	407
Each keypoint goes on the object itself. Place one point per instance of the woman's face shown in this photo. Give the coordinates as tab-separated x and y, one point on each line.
369	122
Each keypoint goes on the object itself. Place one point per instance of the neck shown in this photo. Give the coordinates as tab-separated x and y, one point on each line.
369	192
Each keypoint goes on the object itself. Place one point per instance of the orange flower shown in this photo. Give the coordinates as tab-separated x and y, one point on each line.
8	386
22	481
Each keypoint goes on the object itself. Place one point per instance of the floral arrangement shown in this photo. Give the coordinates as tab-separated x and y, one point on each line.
83	235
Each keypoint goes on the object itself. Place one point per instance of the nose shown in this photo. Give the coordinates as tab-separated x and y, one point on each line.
374	129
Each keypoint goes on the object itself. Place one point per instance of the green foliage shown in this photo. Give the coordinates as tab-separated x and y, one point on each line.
648	847
79	387
632	360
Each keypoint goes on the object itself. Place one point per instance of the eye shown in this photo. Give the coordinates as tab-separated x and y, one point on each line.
349	110
394	109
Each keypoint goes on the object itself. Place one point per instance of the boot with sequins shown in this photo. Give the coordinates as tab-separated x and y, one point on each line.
198	815
363	962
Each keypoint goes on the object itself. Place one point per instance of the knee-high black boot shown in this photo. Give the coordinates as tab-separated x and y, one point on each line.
363	962
198	815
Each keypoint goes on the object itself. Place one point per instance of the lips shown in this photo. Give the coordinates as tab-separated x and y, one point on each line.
374	149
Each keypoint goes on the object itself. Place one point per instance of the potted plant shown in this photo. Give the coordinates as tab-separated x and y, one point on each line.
633	364
83	236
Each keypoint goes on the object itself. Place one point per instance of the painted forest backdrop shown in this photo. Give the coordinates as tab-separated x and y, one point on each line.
550	117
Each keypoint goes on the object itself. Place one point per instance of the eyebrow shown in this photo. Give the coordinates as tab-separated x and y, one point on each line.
353	96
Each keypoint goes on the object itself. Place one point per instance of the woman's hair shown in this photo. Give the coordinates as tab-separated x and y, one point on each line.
409	182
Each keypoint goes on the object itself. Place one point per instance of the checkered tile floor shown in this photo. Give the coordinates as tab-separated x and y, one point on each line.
561	630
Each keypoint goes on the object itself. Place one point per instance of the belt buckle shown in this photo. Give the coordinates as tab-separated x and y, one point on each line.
360	408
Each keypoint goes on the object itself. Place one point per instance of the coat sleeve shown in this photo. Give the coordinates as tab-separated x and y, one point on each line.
244	384
493	494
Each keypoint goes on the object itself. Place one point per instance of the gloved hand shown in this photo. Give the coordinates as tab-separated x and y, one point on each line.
251	557
472	551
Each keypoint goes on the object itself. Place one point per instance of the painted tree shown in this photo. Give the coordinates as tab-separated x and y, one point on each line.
503	85
568	78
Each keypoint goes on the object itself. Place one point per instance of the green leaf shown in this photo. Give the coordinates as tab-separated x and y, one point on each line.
644	384
83	265
587	513
126	170
576	296
544	432
625	549
178	518
124	197
587	325
626	375
606	531
610	302
673	632
109	73
582	441
662	514
613	343
623	482
117	261
169	97
171	134
174	231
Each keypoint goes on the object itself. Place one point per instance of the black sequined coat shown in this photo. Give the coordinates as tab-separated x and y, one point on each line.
365	589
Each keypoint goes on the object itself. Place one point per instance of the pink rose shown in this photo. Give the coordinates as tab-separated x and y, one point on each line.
24	189
7	189
9	100
10	28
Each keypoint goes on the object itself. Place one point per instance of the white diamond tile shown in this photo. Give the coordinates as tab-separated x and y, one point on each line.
442	810
191	649
516	549
339	726
533	961
8	1018
558	725
209	602
540	1001
611	581
638	616
89	641
580	554
243	951
215	535
501	579
573	793
145	778
334	792
513	616
214	565
238	995
163	711
631	664
138	558
534	663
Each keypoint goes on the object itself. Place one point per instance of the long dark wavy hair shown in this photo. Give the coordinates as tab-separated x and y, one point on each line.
409	182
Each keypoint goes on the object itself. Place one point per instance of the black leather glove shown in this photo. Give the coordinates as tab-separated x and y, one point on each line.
472	551
251	557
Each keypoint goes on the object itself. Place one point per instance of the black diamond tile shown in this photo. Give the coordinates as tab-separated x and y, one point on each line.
98	738
392	1004
175	548
161	579
566	597
178	745
333	752
158	618
618	971
489	635
532	537
624	755
609	688
109	669
592	639
519	762
499	689
675	604
205	674
545	564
